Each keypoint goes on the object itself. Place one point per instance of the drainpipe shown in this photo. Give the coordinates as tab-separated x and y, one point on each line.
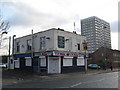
32	48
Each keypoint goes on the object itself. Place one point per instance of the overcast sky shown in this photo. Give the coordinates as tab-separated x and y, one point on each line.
40	15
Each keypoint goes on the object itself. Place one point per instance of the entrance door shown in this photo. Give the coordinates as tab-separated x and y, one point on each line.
36	64
11	64
17	63
54	65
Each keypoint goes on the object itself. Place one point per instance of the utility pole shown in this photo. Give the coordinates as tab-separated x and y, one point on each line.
105	58
32	51
13	47
74	26
105	47
85	54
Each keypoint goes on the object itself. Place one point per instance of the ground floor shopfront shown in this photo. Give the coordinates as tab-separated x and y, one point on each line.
49	62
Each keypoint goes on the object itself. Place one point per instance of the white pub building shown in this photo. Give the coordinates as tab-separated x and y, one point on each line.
51	51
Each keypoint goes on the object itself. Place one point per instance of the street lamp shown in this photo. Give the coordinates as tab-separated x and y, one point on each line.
9	52
1	36
4	32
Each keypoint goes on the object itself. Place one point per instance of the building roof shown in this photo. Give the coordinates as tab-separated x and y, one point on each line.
74	32
102	48
94	18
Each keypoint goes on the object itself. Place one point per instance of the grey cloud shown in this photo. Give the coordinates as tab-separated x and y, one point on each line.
26	16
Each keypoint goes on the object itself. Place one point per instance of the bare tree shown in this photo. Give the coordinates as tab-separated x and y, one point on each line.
4	26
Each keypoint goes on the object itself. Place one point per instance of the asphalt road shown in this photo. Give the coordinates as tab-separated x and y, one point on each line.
104	80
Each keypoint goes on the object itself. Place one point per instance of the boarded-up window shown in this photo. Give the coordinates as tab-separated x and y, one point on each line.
43	62
80	61
28	62
67	61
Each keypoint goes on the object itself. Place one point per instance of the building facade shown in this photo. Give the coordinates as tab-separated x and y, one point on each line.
105	57
50	51
97	32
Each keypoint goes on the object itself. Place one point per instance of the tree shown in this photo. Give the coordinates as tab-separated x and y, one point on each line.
4	26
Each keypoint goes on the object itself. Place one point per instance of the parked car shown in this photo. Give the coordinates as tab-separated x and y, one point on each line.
94	66
2	65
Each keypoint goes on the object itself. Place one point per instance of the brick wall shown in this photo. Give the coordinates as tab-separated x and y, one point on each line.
104	56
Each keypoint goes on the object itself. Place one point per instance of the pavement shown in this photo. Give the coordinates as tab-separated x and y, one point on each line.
83	73
15	76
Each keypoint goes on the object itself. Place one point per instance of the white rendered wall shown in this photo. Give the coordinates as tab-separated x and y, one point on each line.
36	40
52	42
71	44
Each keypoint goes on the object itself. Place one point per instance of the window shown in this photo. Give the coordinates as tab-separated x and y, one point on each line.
28	62
42	43
18	47
29	45
78	46
61	42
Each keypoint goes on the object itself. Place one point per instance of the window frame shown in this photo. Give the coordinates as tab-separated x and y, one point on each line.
42	43
78	45
29	44
17	46
61	42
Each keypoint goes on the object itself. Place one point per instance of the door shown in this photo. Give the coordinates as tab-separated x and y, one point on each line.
36	64
17	63
11	64
54	65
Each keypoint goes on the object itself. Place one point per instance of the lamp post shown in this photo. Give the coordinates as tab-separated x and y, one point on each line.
9	52
85	49
1	36
32	51
105	47
4	32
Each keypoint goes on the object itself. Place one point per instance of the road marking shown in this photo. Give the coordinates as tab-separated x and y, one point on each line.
85	82
76	84
91	81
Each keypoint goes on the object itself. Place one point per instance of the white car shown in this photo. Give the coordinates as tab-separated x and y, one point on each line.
2	65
